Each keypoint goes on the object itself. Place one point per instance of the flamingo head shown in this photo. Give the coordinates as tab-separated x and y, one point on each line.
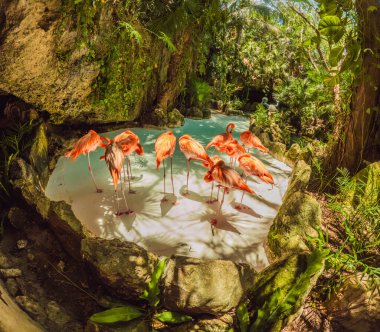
92	132
208	177
245	155
169	133
186	136
230	128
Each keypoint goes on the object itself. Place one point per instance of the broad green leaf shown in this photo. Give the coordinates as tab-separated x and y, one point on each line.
151	294
335	55
243	317
172	317
329	25
114	315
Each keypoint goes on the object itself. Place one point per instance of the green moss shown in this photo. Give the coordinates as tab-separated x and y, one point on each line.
298	219
282	288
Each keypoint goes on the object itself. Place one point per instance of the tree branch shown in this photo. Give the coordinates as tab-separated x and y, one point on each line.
303	16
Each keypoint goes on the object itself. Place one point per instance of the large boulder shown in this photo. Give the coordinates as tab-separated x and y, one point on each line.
199	286
299	217
124	267
58	215
299	179
175	118
356	304
281	289
294	153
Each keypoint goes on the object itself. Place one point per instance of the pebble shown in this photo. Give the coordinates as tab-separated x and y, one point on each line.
10	273
21	244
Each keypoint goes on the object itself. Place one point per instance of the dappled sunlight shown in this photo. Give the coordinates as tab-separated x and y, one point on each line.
181	224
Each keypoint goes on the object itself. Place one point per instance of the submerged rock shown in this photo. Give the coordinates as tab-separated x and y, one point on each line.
198	286
175	118
299	217
124	267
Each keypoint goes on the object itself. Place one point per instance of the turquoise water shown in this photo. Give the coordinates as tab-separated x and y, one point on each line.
183	227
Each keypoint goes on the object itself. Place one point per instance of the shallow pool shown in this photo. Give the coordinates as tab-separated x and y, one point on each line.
183	227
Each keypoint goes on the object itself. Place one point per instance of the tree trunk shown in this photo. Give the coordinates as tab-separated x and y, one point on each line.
360	142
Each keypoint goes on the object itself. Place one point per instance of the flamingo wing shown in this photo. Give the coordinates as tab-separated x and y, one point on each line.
192	149
164	146
229	178
85	144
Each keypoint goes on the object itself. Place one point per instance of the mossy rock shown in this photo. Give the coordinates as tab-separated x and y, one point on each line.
124	267
277	149
234	112
159	117
299	179
294	153
366	186
175	118
219	324
299	217
281	290
194	113
193	285
206	113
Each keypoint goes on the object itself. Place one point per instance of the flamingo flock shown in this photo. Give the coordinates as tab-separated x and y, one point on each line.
118	150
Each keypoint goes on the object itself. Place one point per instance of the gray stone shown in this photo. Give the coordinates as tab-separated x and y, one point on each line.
205	286
356	304
12	286
17	217
299	217
32	307
299	179
10	273
124	266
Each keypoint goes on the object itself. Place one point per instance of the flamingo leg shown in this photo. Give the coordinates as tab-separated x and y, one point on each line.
171	172
125	199
238	207
187	178
125	177
98	190
164	199
129	172
118	205
217	196
221	203
130	168
212	189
